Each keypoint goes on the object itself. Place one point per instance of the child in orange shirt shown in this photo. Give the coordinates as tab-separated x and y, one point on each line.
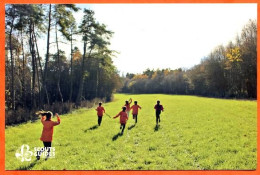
135	110
47	131
123	119
127	105
100	110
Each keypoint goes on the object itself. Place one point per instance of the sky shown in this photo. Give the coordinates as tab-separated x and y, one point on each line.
167	35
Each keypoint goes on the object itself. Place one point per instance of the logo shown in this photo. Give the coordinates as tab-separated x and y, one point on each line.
24	154
47	152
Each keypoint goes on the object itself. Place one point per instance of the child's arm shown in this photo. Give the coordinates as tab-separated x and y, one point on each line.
117	115
139	107
58	120
130	101
162	108
104	110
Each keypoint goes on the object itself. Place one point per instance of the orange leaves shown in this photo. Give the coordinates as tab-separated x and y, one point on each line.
77	55
140	76
234	54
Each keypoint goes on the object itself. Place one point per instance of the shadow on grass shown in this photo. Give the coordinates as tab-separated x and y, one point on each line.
131	127
156	128
91	128
28	167
115	137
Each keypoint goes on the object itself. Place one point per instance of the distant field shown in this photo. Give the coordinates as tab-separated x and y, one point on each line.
195	133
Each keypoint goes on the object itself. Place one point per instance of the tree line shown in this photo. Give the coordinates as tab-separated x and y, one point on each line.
55	81
228	72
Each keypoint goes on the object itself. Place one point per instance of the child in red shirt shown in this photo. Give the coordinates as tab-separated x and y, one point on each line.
47	131
135	110
158	108
100	110
123	119
127	105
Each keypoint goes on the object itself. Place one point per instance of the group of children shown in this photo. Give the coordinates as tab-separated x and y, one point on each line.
124	114
48	124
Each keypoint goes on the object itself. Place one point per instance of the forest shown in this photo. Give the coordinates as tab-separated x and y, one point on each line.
60	83
227	72
55	82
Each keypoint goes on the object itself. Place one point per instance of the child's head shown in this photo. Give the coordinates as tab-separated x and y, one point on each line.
158	102
126	102
124	108
100	104
135	102
48	115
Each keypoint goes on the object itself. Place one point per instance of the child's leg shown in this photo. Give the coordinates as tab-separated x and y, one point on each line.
47	146
123	125
99	120
135	118
157	118
40	152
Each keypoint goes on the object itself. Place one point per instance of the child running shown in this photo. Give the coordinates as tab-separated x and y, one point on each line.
100	110
158	108
123	119
127	105
135	110
47	131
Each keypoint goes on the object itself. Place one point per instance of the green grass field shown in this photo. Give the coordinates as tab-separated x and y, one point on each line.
195	133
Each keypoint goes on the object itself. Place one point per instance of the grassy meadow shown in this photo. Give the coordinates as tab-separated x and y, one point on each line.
195	133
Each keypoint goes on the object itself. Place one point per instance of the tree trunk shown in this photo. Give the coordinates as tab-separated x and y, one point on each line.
31	44
81	80
47	57
23	74
97	82
38	54
36	66
58	63
12	67
71	67
41	72
40	67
